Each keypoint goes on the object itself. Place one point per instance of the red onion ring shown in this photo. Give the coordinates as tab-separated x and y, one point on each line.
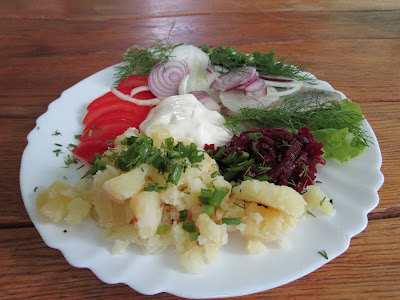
165	78
241	78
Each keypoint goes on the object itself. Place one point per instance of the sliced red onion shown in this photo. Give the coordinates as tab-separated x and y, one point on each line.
125	97
211	71
241	78
207	101
165	78
256	89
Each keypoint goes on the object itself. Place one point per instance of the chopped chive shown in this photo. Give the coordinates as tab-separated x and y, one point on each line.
59	145
183	214
35	189
231	221
218	195
193	236
323	254
322	201
80	167
163	228
219	154
77	136
90	132
96	128
175	174
214	174
189	226
205	193
209	209
56	133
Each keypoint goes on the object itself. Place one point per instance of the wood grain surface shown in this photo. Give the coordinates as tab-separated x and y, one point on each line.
47	46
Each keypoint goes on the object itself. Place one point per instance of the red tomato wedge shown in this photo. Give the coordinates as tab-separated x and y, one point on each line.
133	81
124	107
107	129
87	150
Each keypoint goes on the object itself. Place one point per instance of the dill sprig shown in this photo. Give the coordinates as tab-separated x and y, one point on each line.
293	114
141	61
230	59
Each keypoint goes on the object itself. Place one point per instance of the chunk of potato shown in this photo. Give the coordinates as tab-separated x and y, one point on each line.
317	199
282	198
126	185
148	210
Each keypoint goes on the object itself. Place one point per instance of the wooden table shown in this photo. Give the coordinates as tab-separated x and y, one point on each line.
47	46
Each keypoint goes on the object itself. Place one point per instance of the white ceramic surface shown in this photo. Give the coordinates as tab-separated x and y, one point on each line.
353	187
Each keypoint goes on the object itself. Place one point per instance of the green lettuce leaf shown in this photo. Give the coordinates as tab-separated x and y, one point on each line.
339	144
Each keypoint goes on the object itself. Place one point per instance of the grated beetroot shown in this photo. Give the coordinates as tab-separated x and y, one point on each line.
275	155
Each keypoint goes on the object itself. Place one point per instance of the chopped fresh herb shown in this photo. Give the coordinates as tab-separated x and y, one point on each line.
322	201
65	230
254	135
57	151
56	133
38	128
154	187
214	174
193	236
80	167
323	254
189	226
218	195
162	229
77	136
141	61
90	132
230	59
209	209
238	205
59	145
231	221
183	214
317	181
71	146
96	128
35	189
310	213
71	160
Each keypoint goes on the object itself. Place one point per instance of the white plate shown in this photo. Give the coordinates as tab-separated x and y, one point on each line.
353	187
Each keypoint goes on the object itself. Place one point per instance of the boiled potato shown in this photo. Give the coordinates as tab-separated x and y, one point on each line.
126	185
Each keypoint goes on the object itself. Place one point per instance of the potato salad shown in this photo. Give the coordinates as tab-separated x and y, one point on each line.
182	152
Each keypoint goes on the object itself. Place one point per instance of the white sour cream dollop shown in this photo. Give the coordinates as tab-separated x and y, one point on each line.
187	119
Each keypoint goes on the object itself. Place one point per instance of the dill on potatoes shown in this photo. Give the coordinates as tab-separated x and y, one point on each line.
230	59
293	114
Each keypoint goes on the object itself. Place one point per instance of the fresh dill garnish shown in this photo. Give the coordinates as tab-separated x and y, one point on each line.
141	61
230	59
293	114
323	254
77	136
310	213
35	189
56	133
322	201
70	160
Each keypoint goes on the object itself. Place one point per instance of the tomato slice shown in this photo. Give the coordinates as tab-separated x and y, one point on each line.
109	98
133	81
87	150
126	108
107	129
